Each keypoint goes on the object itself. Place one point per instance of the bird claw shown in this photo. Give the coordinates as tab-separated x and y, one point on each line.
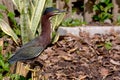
32	70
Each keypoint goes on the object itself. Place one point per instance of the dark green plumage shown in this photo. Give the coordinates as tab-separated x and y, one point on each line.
26	52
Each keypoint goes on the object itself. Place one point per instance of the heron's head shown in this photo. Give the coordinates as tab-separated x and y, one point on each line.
51	11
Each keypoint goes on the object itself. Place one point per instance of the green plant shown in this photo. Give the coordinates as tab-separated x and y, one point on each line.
8	30
30	15
56	20
5	68
108	45
17	77
5	27
11	17
72	22
103	10
4	65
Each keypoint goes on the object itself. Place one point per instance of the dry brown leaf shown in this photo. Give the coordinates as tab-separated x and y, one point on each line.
67	58
72	50
43	57
115	62
48	50
82	77
74	58
104	72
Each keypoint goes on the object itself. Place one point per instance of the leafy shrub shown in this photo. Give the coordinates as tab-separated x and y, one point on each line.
103	10
72	22
5	68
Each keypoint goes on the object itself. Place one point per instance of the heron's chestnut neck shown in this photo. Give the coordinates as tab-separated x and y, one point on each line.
46	29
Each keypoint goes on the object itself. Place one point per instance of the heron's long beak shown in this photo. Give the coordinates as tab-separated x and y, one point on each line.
59	11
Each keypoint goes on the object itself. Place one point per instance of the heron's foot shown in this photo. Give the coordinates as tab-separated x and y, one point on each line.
32	70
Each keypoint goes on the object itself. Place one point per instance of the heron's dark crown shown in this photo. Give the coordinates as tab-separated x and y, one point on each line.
49	9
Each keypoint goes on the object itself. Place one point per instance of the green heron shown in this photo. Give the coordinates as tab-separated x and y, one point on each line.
34	48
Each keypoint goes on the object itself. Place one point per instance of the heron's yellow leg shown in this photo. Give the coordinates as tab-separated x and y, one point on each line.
33	71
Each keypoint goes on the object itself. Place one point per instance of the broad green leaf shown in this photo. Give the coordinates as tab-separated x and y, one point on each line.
26	33
55	39
7	29
25	21
36	15
30	15
56	20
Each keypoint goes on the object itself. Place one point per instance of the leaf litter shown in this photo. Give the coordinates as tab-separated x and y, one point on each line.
85	57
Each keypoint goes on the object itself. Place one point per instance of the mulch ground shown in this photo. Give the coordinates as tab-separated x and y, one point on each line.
83	58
